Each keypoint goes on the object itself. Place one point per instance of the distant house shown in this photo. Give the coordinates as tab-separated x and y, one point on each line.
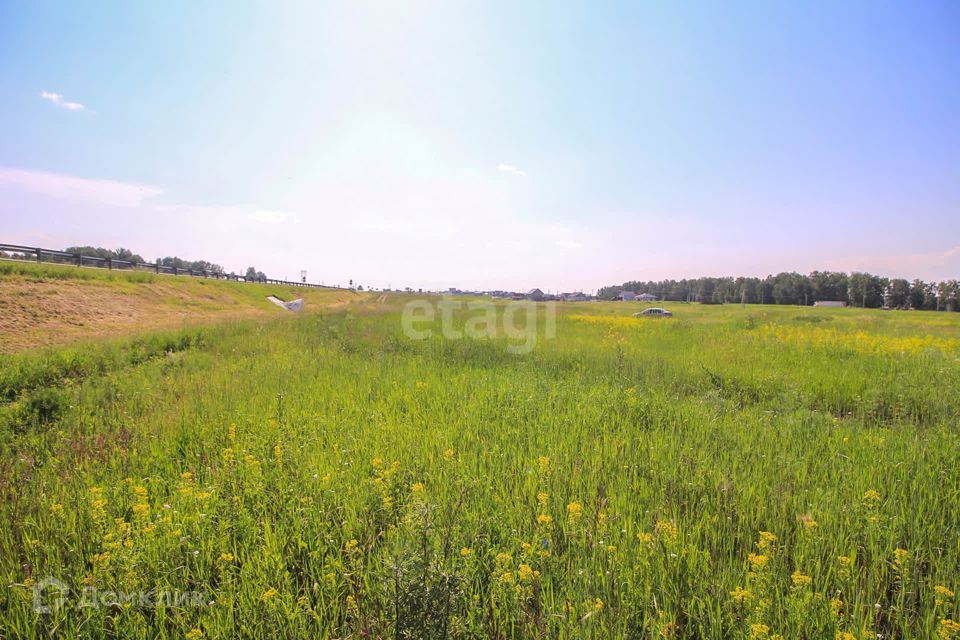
627	296
646	297
830	303
534	294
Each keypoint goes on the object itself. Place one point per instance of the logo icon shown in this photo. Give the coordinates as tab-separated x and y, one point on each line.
49	595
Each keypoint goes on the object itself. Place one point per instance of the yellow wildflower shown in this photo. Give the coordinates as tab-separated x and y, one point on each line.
836	606
900	556
544	519
943	595
543	463
417	487
542	498
800	580
194	634
525	573
506	577
466	552
845	635
766	541
740	594
666	529
56	509
758	630
871	499
597	604
758	561
269	594
949	629
225	557
574	511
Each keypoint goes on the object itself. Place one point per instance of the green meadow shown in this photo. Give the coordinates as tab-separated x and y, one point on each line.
731	472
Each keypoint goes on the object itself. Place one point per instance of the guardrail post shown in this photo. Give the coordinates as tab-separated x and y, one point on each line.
156	267
175	271
79	258
110	264
39	257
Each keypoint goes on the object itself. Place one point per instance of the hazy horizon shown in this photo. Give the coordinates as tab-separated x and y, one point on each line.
488	145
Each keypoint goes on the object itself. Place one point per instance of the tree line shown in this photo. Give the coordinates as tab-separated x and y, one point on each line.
857	289
170	262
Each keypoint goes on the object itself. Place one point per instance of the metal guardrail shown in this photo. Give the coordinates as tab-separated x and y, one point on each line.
53	256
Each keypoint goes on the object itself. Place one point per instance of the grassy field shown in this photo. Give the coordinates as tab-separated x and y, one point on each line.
729	473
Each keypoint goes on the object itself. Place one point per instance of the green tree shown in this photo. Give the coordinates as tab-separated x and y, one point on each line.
918	294
865	290
898	293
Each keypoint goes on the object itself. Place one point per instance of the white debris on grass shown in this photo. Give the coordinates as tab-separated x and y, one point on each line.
293	305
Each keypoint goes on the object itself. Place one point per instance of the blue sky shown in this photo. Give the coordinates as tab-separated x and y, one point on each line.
488	144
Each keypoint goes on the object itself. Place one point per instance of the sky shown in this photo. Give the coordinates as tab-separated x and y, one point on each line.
491	144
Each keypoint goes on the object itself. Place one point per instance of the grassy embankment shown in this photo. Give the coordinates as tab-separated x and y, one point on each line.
42	305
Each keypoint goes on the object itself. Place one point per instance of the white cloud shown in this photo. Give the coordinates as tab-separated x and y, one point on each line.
272	217
57	99
512	170
55	185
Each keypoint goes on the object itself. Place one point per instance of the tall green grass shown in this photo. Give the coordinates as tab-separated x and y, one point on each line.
711	476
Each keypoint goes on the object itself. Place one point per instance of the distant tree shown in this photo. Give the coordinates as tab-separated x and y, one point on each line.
828	285
865	290
790	288
948	292
609	293
930	299
918	294
253	275
705	289
114	254
897	293
860	289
